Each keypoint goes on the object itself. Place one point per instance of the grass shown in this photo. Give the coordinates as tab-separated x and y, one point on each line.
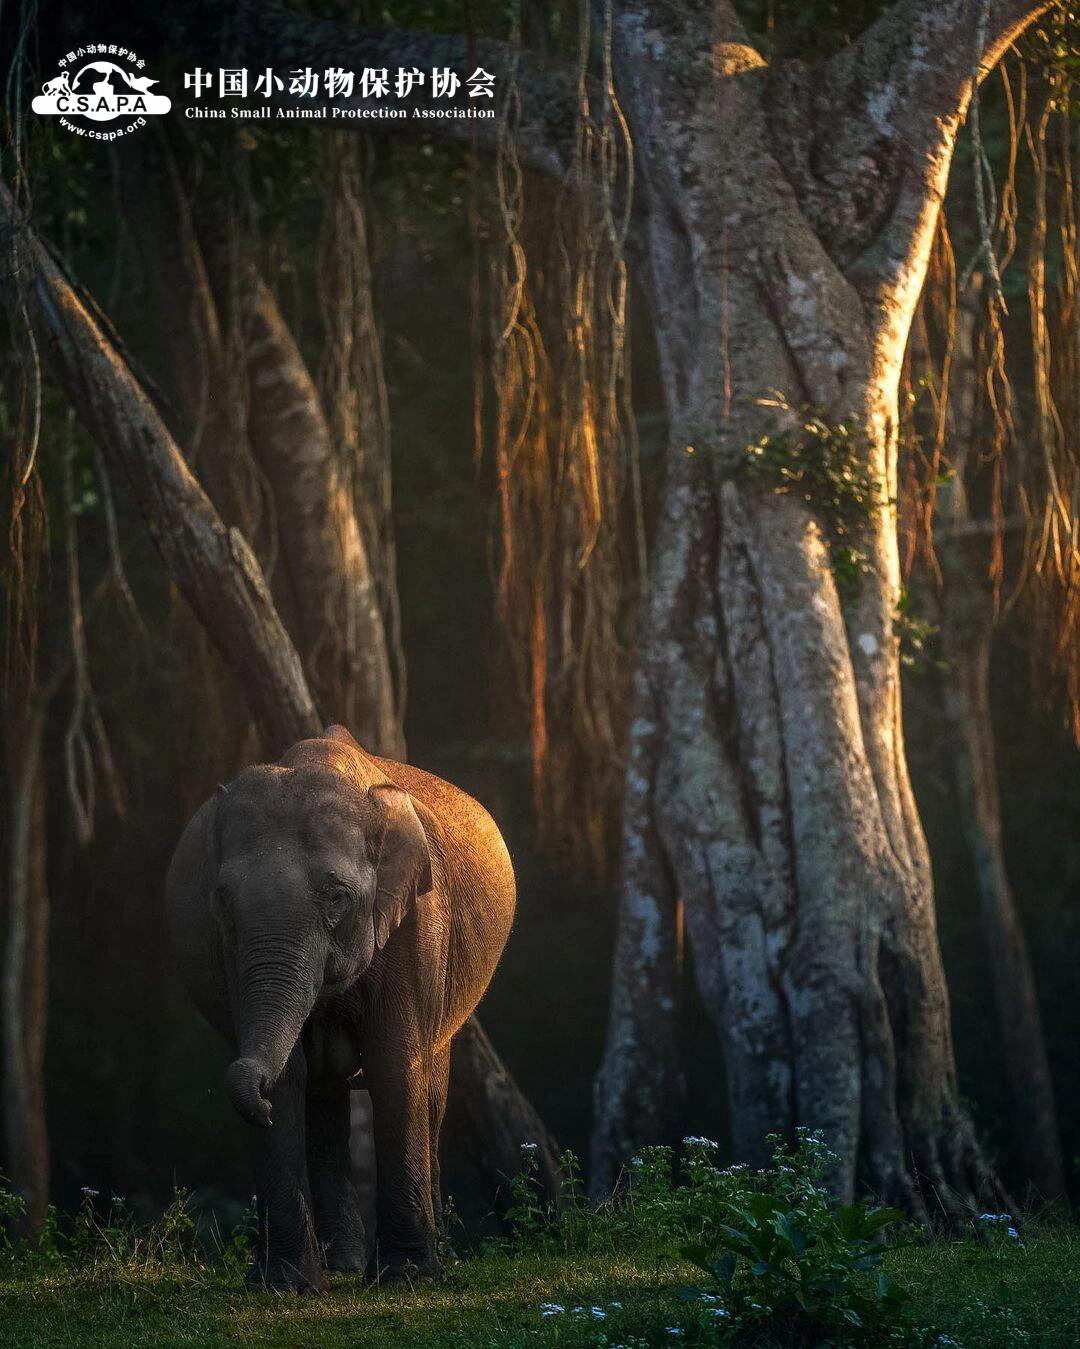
979	1297
989	1297
688	1254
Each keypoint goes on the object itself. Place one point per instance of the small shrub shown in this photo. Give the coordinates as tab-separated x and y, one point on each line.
785	1258
177	1232
780	1258
236	1252
12	1208
102	1237
527	1216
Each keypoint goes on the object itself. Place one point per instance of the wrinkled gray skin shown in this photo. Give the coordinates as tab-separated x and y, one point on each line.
335	914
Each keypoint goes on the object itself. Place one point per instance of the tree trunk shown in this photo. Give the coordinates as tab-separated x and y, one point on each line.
250	417
489	1114
967	621
640	1090
204	377
339	623
967	632
788	215
213	566
352	378
25	988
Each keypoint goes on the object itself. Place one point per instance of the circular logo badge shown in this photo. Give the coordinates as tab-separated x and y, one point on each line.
101	83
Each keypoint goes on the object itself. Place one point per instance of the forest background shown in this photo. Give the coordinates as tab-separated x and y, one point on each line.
131	1077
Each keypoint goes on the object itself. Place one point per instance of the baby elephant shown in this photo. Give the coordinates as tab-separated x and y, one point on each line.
337	914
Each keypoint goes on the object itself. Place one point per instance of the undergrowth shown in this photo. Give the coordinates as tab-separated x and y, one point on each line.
686	1252
777	1256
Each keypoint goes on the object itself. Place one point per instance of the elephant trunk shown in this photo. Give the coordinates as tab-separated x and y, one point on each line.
276	1000
248	1082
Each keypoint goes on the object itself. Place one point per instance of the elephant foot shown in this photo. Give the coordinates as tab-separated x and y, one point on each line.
279	1275
343	1241
346	1256
403	1271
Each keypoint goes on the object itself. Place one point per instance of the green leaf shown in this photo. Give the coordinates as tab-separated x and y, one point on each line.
698	1255
882	1217
725	1269
762	1206
784	1225
737	1238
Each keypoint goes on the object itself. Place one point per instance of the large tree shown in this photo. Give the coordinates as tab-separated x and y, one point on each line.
791	210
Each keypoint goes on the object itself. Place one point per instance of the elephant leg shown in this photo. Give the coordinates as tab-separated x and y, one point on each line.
287	1257
339	1223
440	1077
405	1223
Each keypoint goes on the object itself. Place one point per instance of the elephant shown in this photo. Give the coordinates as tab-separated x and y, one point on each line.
336	917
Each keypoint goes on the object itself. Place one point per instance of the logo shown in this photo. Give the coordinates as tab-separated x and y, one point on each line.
108	87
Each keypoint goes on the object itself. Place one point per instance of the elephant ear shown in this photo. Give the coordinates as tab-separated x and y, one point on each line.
403	866
213	841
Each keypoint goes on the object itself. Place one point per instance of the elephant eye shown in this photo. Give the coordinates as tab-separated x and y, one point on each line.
337	896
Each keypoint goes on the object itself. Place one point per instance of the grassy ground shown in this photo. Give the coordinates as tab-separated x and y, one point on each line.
964	1292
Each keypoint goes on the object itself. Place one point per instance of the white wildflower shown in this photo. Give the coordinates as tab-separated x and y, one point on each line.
551	1309
90	1194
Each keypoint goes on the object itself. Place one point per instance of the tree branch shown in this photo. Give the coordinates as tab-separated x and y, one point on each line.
868	133
214	566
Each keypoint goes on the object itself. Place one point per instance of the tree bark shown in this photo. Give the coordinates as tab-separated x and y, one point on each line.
788	217
967	626
216	571
967	621
339	622
352	378
203	385
213	565
489	1112
639	1093
25	984
253	424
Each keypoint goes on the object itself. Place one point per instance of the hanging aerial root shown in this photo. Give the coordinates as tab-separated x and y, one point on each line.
570	543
